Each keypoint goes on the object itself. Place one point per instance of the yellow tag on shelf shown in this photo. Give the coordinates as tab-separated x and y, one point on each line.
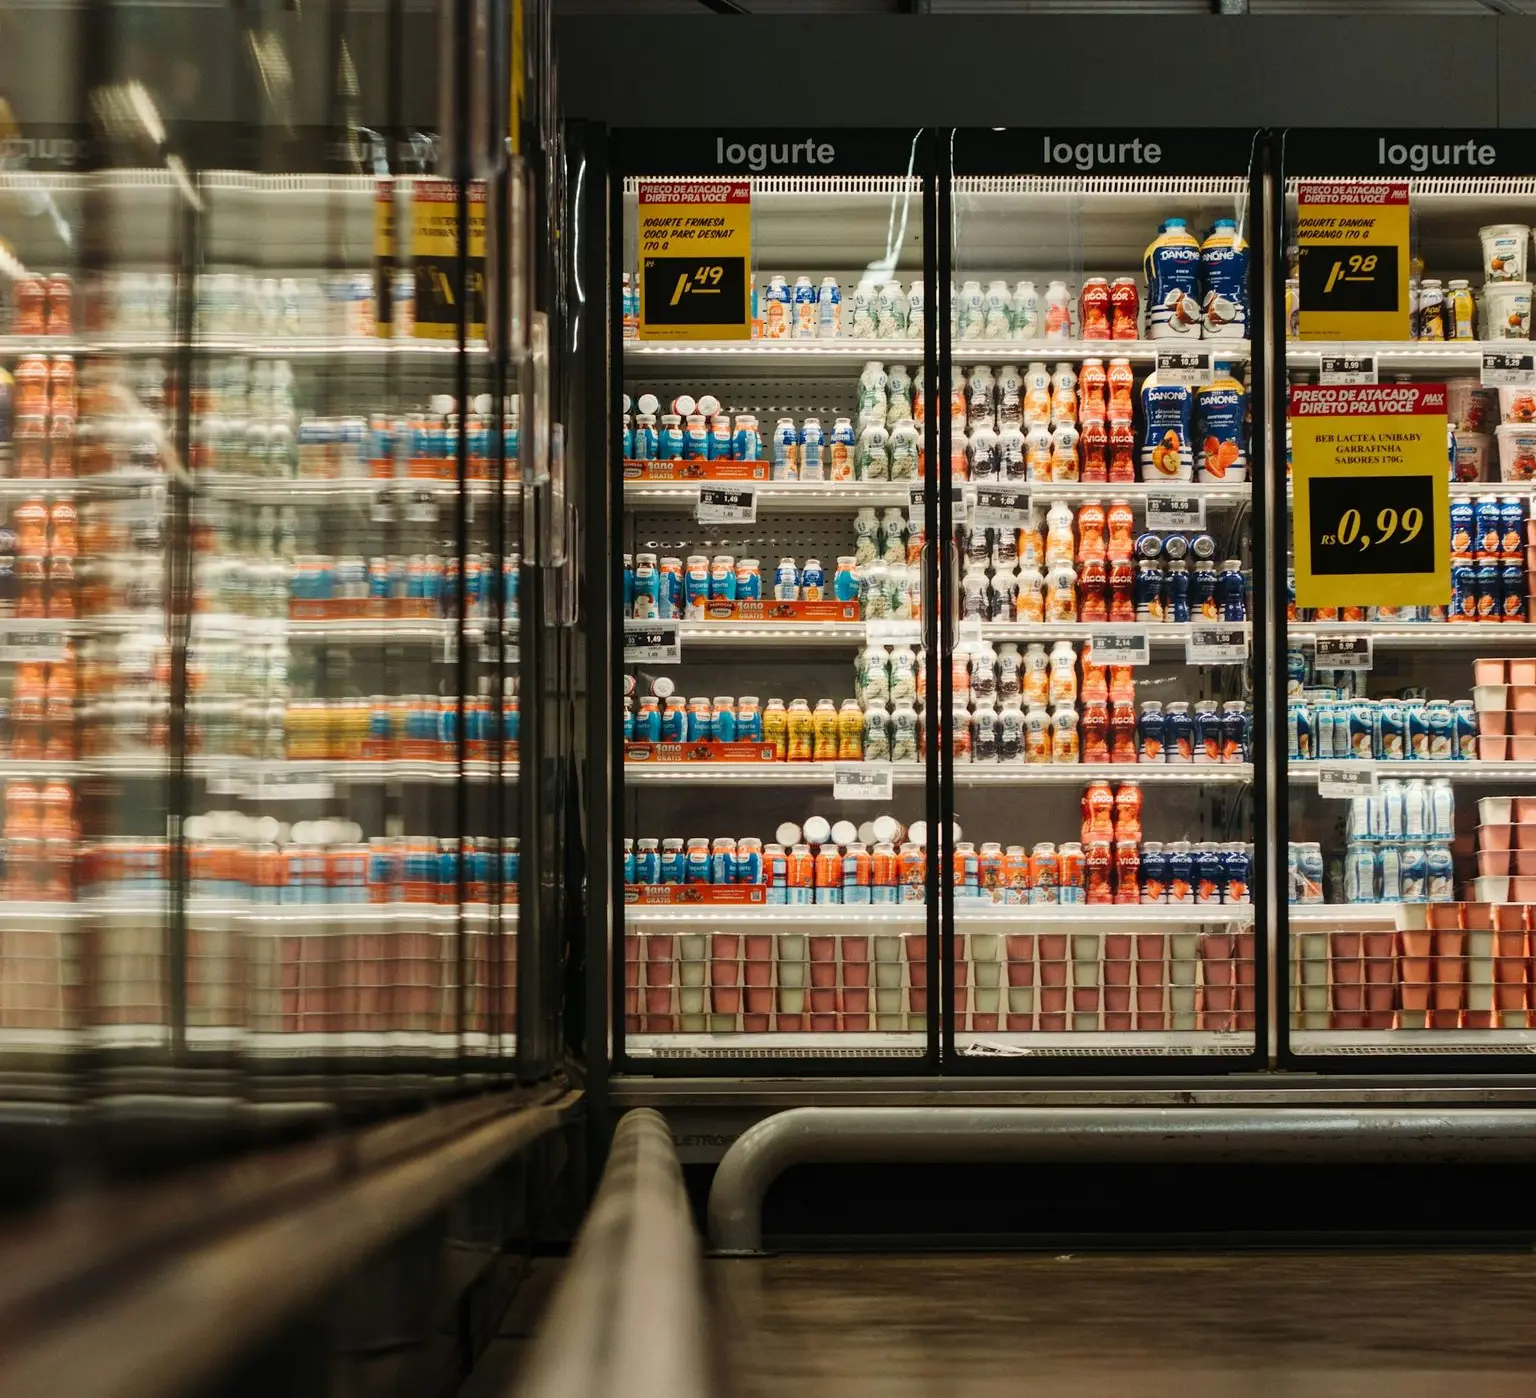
1353	241
435	249
695	260
384	257
1372	510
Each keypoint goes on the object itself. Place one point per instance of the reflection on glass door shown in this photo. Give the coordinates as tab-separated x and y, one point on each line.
1411	736
776	584
1100	727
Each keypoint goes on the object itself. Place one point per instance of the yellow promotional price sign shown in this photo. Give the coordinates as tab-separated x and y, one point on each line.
1353	241
384	257
695	260
435	249
1372	513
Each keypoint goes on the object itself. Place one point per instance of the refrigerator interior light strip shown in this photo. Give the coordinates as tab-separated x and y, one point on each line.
1494	188
800	184
1167	186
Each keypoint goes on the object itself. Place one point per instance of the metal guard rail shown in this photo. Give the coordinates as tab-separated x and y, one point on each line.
628	1317
1024	1135
148	1293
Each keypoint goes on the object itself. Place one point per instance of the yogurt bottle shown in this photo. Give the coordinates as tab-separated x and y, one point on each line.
970	310
861	317
813	451
1224	282
1172	270
916	301
898	394
1058	312
1220	428
872	455
1165	446
905	444
890	312
1008	390
1026	311
997	312
866	535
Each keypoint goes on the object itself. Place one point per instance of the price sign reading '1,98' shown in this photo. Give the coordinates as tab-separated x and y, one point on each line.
1352	238
1372	504
695	252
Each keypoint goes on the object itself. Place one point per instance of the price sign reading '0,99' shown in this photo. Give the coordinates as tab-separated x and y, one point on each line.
1372	504
1349	520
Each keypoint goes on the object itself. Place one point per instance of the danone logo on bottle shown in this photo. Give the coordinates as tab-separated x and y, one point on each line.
759	155
1089	155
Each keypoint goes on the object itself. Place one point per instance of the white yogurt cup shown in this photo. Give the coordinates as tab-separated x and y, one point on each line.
1507	310
1517	451
1505	246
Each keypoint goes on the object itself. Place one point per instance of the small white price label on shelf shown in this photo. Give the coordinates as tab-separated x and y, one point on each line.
893	633
1344	369
720	504
968	632
1345	779
1509	369
145	504
35	646
1216	645
873	782
1167	509
652	643
917	508
1000	506
421	507
1343	653
275	787
1189	368
1120	647
382	510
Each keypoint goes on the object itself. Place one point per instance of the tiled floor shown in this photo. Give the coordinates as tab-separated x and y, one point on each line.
1386	1325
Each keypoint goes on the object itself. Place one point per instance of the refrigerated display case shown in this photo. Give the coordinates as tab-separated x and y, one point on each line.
1406	928
340	698
777	648
1100	768
981	504
260	582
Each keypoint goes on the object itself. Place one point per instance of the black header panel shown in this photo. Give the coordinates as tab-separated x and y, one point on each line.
1086	151
1409	152
804	150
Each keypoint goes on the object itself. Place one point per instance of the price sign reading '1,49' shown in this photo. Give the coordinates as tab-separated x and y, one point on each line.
695	252
1372	504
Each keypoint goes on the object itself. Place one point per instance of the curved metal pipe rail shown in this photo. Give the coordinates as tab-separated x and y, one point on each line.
1208	1135
163	1310
628	1315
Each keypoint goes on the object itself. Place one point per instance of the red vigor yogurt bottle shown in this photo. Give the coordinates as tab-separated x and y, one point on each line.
1124	309
1094	308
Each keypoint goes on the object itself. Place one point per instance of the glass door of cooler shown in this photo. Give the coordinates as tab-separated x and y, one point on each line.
1410	746
777	794
343	706
1098	704
88	957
